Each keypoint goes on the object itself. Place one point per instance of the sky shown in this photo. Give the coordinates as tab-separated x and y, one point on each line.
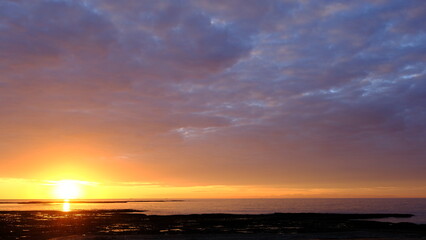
223	98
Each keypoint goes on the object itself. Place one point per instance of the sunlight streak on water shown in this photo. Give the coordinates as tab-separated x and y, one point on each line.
66	206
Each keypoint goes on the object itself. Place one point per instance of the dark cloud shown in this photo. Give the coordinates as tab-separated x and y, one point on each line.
253	88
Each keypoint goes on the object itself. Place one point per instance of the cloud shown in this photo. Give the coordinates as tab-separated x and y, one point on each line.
270	91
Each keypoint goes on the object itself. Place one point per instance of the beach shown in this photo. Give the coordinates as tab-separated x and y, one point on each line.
131	224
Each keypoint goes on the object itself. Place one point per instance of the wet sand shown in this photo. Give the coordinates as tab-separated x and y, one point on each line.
135	225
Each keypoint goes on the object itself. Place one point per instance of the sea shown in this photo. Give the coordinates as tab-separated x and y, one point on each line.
416	206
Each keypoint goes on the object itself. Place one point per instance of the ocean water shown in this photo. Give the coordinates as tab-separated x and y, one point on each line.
415	206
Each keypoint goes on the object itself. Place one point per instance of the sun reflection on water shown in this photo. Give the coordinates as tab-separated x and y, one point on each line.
66	206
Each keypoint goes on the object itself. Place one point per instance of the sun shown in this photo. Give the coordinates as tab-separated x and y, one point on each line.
67	189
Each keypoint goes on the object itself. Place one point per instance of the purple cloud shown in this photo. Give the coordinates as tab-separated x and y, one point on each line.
245	88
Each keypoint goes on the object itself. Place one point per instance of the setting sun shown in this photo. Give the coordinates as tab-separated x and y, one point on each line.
67	189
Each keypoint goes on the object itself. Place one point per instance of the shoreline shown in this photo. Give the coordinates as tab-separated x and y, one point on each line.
135	224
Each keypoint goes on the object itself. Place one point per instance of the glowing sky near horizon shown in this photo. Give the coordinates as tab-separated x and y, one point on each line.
234	98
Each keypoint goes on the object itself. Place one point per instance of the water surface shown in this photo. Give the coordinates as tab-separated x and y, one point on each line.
416	206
